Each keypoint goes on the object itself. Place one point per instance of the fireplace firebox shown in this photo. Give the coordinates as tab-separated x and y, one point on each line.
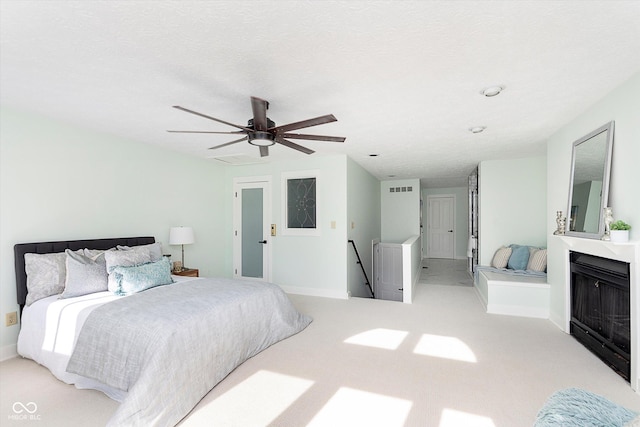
600	309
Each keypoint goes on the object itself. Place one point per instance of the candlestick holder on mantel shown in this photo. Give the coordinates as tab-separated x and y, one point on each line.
561	223
608	219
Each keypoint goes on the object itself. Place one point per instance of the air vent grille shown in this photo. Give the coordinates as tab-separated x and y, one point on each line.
238	160
400	189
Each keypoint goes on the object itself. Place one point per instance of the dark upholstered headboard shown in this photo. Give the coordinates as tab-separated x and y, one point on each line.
51	247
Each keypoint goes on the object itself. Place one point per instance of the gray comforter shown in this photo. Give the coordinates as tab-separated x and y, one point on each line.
168	346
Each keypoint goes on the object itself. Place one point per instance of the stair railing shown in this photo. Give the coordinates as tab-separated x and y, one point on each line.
366	278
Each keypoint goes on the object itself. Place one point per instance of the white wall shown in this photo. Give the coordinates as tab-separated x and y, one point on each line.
60	182
461	220
623	106
363	213
512	204
400	216
313	265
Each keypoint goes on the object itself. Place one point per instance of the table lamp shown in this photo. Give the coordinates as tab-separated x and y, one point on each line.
181	236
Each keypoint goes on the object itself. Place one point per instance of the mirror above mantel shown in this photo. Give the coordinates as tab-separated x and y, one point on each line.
589	184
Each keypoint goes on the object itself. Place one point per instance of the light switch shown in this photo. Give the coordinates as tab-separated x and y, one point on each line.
333	224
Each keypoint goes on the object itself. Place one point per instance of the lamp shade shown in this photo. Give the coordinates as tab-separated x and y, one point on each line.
181	236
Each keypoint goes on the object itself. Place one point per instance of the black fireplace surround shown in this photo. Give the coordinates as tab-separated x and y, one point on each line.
600	309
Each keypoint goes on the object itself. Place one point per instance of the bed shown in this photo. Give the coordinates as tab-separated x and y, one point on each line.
156	350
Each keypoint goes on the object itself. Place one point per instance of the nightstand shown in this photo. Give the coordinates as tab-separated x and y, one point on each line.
189	272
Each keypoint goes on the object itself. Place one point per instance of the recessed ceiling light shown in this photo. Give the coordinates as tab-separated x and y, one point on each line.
491	91
477	129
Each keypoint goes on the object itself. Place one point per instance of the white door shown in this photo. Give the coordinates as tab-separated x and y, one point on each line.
440	226
251	229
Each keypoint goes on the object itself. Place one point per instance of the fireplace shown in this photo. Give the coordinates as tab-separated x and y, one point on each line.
600	309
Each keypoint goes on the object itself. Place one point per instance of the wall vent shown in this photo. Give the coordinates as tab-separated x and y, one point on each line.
238	160
400	189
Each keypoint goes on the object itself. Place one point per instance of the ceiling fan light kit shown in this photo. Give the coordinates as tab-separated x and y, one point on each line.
261	139
263	132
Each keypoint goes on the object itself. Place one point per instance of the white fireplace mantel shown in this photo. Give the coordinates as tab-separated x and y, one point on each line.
558	276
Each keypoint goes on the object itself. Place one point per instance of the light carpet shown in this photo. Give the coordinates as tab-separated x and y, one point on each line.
440	362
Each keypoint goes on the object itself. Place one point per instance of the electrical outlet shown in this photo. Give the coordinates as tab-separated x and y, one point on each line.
11	318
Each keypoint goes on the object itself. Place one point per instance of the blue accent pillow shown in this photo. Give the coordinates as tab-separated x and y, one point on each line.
519	257
132	279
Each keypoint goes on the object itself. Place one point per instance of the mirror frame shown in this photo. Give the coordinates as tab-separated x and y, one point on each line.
604	198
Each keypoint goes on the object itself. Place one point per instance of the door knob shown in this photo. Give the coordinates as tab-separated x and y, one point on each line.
264	242
450	231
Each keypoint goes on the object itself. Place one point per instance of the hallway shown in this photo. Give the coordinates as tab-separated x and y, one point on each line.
445	272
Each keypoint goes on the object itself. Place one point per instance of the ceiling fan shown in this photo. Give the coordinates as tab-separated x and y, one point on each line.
263	132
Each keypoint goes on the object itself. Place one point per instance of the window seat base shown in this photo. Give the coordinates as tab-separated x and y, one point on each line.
526	296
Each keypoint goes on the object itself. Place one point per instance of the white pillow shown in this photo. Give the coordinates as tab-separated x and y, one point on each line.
46	274
96	254
84	274
153	249
501	257
537	259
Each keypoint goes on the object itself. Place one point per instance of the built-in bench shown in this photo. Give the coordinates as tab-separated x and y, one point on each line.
514	295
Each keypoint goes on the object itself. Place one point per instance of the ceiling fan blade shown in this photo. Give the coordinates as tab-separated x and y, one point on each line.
293	145
212	118
259	107
264	150
228	143
206	131
306	123
314	137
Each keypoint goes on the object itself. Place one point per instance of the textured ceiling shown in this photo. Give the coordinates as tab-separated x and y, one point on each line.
403	78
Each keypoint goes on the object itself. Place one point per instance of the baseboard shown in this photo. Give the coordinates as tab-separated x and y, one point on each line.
315	292
514	310
481	296
8	352
559	322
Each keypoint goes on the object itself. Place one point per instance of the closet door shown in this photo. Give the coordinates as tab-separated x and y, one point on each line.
440	226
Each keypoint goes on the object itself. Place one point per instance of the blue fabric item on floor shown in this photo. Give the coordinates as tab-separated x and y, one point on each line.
574	407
